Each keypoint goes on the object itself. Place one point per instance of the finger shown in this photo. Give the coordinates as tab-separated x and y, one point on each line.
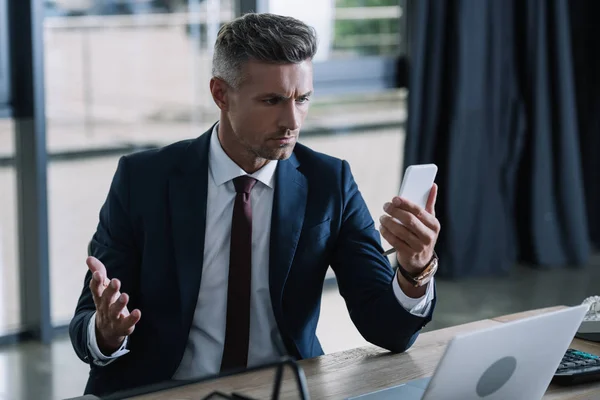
97	269
128	323
401	232
116	309
96	287
110	295
430	207
95	265
411	222
423	216
394	241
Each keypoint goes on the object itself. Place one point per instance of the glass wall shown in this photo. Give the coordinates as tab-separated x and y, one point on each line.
122	73
348	28
366	28
9	259
120	76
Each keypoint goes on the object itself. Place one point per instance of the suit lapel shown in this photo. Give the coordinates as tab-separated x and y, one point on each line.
187	201
289	205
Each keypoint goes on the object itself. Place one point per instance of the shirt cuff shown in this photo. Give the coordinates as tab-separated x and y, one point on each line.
99	358
419	306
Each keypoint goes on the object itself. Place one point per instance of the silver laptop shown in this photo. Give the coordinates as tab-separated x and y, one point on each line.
514	360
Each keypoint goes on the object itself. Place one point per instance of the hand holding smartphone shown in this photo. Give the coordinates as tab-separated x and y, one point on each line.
416	186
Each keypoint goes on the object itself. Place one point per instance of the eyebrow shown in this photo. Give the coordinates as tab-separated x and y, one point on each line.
278	95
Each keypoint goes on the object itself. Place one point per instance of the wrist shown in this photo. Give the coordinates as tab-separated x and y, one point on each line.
409	289
412	270
418	277
107	346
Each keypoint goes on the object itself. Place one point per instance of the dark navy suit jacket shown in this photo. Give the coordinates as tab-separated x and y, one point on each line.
151	236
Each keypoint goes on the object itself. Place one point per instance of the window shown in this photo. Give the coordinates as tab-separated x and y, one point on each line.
360	42
9	261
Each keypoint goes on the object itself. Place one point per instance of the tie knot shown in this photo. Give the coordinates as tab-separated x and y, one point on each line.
244	184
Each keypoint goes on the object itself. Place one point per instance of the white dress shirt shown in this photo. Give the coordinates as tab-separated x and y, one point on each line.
204	349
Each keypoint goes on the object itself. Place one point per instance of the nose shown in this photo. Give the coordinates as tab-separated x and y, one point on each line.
291	117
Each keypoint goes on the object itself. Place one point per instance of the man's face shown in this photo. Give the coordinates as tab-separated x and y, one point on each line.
268	109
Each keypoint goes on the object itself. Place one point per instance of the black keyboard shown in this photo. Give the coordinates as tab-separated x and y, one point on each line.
577	367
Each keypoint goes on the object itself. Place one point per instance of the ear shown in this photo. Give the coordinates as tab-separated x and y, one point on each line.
219	90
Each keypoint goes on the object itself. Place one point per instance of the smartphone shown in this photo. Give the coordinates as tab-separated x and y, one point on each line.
417	182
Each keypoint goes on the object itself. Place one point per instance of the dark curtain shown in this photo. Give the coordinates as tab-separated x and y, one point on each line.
585	41
492	102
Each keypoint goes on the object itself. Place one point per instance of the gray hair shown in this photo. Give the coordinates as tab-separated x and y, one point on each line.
264	37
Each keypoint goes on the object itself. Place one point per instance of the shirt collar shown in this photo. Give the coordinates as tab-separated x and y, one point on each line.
223	169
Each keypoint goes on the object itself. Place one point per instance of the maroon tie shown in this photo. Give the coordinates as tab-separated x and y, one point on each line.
237	333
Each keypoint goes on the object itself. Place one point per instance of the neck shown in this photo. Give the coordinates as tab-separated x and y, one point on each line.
245	159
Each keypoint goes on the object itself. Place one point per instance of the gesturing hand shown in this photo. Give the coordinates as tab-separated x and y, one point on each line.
113	320
411	230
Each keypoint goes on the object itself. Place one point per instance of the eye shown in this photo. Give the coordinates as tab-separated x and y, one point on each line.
272	101
302	100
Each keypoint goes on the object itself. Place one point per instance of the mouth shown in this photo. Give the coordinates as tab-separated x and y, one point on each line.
284	140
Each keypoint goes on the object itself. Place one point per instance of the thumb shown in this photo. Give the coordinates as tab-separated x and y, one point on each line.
430	207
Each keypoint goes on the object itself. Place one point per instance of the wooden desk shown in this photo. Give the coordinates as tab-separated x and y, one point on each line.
363	370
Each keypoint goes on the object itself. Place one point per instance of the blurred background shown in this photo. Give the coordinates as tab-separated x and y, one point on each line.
502	95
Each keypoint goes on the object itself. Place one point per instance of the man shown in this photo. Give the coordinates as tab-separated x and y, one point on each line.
210	254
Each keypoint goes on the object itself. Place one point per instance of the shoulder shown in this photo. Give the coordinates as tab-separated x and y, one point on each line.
142	177
322	167
314	161
156	165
